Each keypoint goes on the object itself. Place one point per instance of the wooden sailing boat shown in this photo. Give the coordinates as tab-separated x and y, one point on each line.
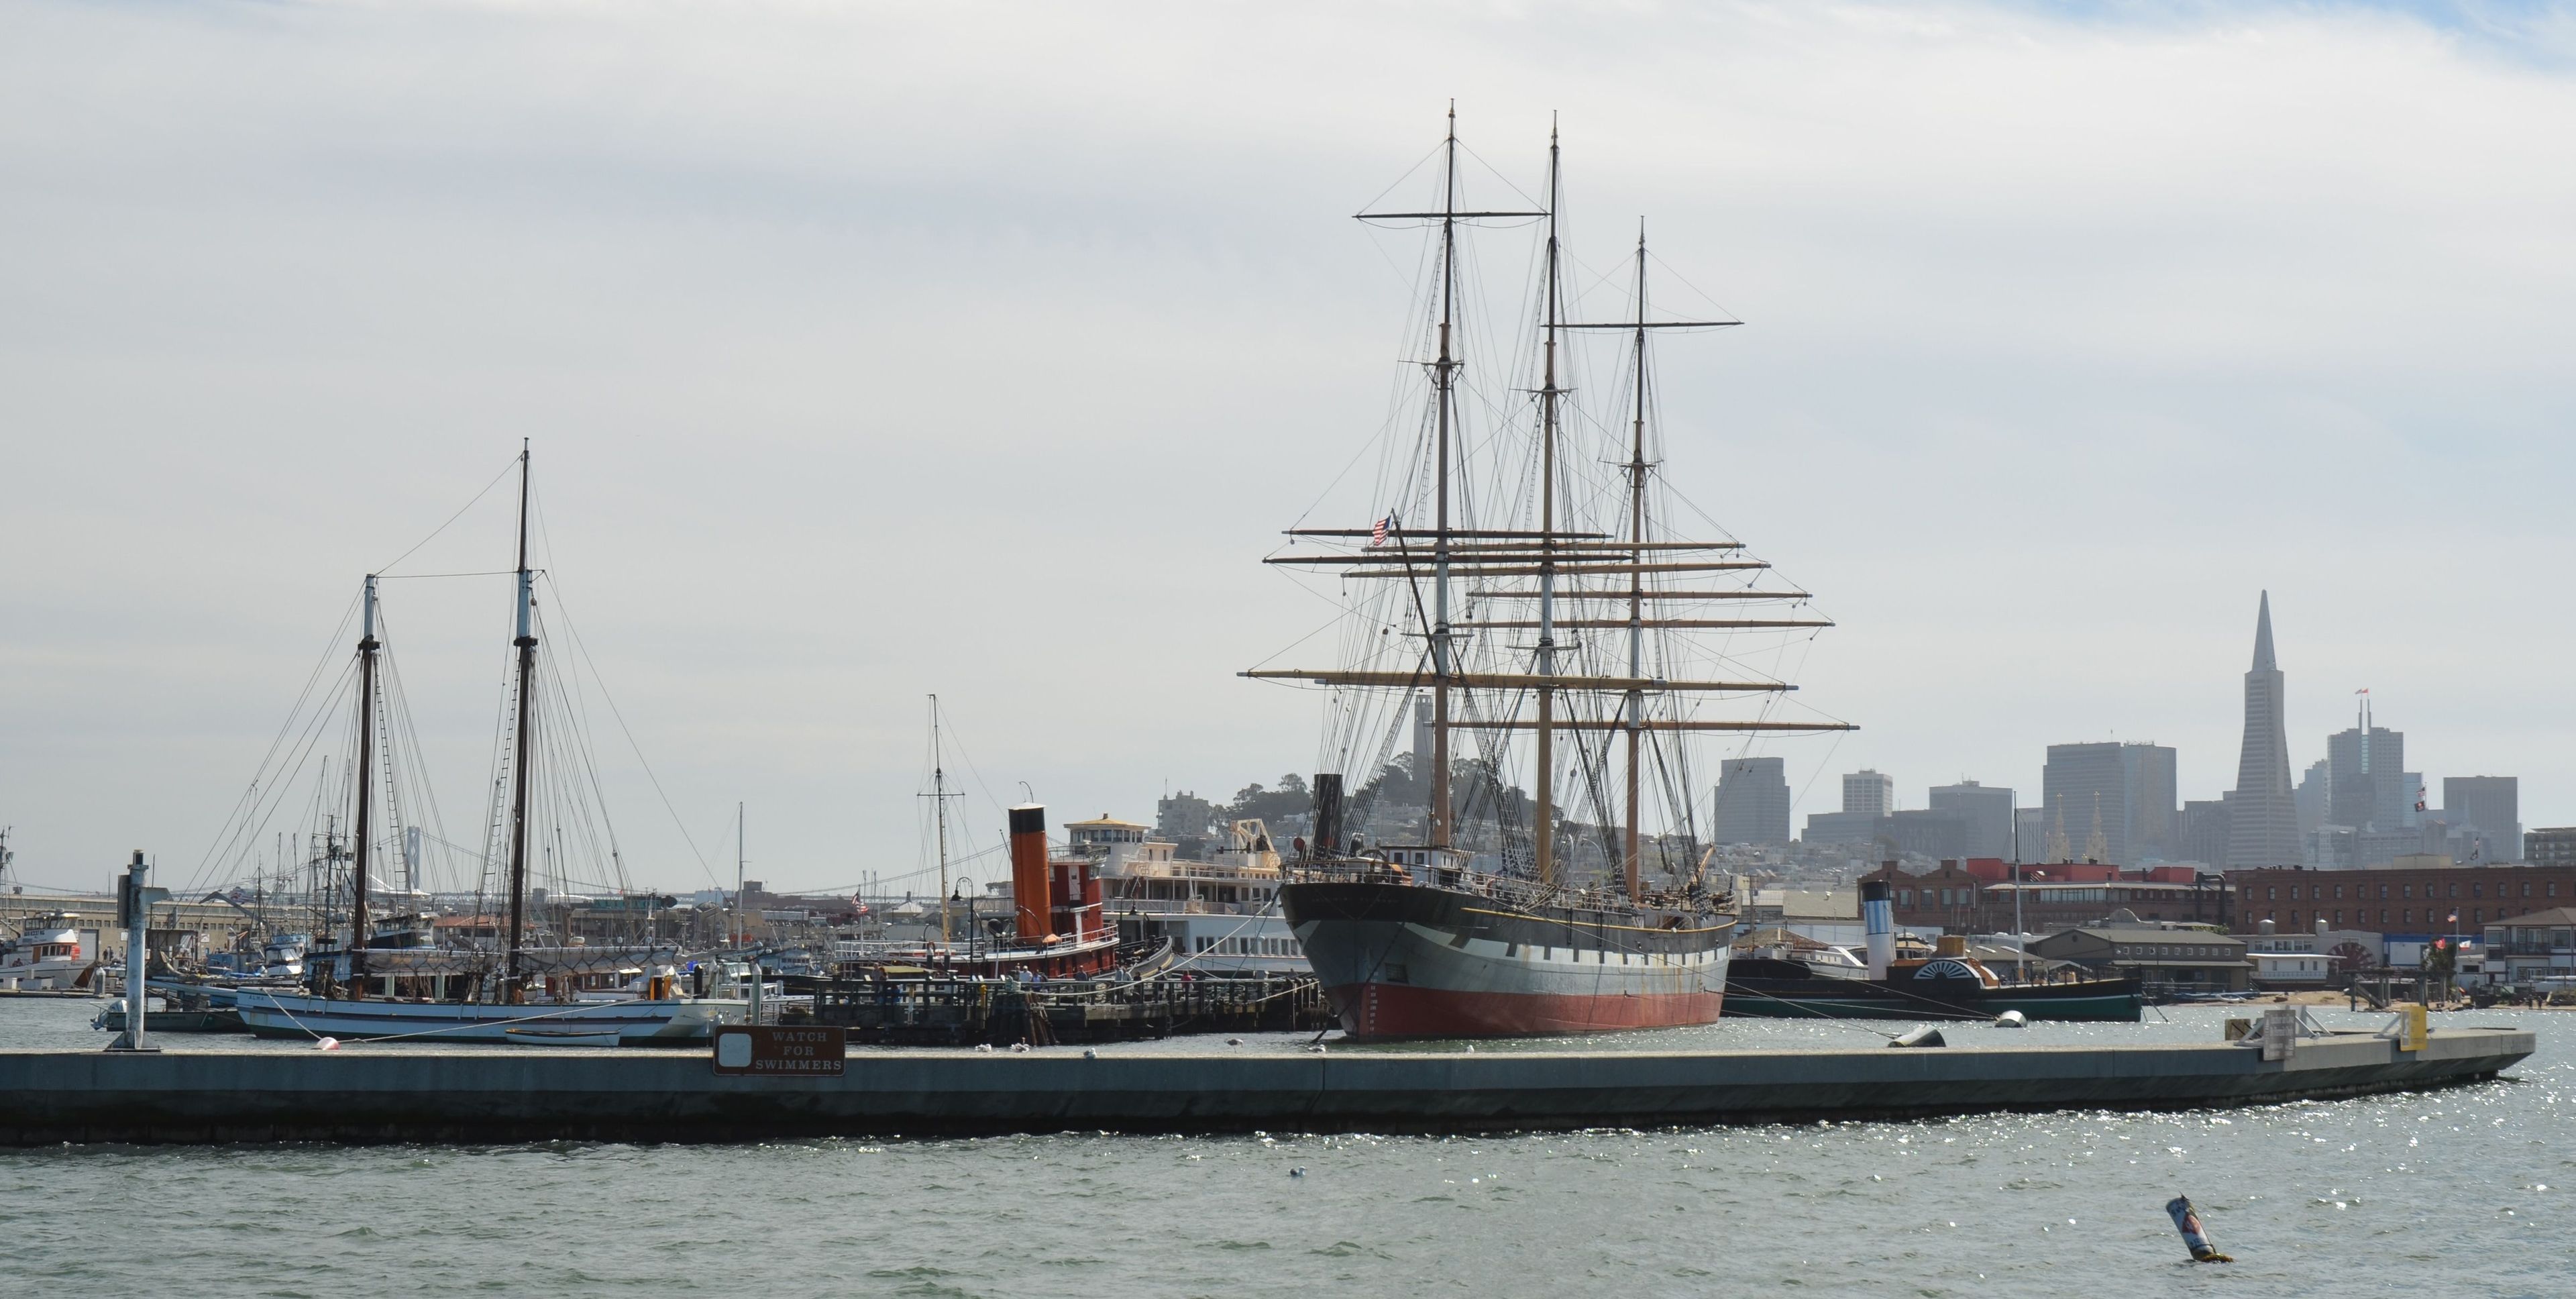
471	1000
1426	939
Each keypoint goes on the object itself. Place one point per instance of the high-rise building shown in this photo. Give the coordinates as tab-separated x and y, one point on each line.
2030	834
2203	837
2314	796
1752	801
2367	782
2113	801
1422	745
2263	809
1987	811
2490	806
1868	791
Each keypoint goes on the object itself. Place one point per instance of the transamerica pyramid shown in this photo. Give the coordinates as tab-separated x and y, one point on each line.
2263	811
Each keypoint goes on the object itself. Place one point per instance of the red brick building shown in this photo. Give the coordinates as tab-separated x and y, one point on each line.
1976	896
2400	904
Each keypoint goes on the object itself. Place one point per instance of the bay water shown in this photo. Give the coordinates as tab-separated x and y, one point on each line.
2462	1191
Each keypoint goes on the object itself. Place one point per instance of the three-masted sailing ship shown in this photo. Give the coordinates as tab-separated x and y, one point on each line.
1521	579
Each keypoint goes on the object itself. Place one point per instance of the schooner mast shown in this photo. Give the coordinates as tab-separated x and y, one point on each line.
367	646
527	645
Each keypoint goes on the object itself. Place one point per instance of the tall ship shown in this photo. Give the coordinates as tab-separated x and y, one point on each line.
531	953
1531	592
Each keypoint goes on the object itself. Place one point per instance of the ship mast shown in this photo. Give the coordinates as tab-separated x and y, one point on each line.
939	797
1444	375
366	777
1636	702
527	643
1543	820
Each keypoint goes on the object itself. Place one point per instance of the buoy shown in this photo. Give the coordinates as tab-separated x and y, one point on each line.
2188	1223
2012	1019
1928	1035
327	1044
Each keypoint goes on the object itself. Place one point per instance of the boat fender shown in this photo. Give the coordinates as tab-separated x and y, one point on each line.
2188	1223
2012	1019
1928	1035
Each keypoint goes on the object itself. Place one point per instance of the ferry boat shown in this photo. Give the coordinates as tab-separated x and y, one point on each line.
1526	581
1221	916
47	956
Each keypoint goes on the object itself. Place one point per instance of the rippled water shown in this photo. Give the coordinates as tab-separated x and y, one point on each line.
2460	1192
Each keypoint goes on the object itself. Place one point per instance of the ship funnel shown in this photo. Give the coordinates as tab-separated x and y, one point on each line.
1878	920
1029	870
1328	813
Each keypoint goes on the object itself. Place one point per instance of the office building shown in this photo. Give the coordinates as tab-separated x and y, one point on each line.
2491	808
1987	811
2263	809
1752	801
1868	791
2368	784
2113	802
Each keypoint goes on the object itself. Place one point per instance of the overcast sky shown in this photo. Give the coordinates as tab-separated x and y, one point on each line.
869	352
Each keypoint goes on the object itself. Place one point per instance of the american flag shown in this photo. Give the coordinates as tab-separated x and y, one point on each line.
1377	535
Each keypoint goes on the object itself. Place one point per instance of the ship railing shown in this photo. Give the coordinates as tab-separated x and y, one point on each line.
1510	890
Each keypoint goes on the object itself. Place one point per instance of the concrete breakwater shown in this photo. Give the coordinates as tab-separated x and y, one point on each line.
480	1096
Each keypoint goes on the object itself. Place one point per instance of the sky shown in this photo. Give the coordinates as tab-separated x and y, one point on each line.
870	352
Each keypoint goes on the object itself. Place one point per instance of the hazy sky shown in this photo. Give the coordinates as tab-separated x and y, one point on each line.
876	351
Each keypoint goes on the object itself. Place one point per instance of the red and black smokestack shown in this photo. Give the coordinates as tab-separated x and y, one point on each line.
1029	871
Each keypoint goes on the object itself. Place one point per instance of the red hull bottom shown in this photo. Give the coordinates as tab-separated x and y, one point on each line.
1401	1010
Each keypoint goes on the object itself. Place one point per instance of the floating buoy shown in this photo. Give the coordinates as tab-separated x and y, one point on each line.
2188	1223
2012	1019
1928	1035
327	1044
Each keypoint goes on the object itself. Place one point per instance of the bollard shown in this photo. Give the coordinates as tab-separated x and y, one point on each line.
2193	1238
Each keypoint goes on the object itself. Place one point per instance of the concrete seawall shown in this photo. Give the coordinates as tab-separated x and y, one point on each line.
426	1094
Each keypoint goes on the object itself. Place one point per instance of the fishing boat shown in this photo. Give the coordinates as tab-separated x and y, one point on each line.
47	955
387	976
1524	578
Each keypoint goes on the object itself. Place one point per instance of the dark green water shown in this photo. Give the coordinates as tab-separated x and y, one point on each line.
2460	1192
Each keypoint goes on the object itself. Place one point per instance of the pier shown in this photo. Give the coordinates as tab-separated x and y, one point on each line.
433	1094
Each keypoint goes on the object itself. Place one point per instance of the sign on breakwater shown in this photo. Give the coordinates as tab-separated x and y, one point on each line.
755	1050
441	1094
